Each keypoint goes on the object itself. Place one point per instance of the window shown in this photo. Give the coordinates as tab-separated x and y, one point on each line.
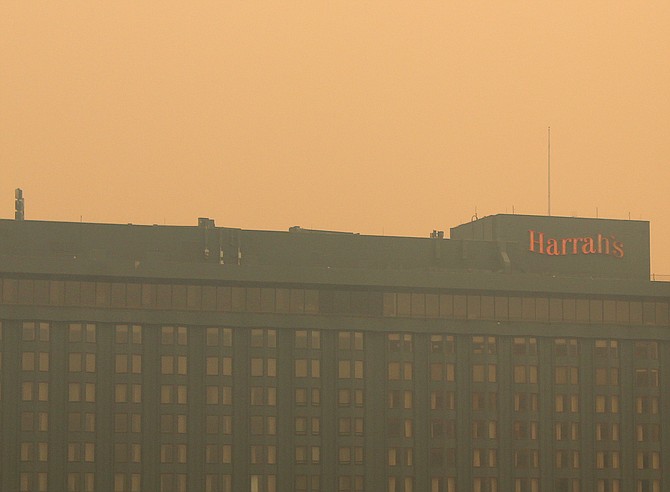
306	339
442	371
442	400
263	338
566	375
400	399
566	431
307	368
522	430
646	405
399	370
442	344
32	331
646	378
484	401
606	431
646	350
525	374
174	364
78	332
125	334
171	335
215	337
566	347
216	366
607	349
484	345
484	457
566	403
607	376
350	368
35	361
400	342
350	340
525	402
524	346
484	429
263	367
567	458
484	373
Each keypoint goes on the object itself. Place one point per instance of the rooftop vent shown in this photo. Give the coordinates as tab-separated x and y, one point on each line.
206	222
19	211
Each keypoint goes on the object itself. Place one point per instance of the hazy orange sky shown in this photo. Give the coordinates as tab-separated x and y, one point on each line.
388	117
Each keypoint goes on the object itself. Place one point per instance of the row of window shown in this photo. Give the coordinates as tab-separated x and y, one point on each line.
396	456
310	301
177	482
346	340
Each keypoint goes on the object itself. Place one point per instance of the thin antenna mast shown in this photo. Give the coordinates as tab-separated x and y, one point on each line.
549	171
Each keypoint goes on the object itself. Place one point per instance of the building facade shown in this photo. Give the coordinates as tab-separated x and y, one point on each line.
523	354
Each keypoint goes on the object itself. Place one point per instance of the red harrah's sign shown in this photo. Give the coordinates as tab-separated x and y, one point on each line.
597	245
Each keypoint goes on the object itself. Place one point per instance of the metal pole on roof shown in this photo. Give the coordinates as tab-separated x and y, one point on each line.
549	171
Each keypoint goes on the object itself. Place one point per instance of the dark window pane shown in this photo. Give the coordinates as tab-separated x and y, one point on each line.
446	306
148	295
528	313
359	303
253	300
501	307
57	293
460	307
283	300
432	305
341	302
178	296
542	309
582	313
662	313
474	307
623	312
194	297
404	304
208	298
267	300
649	313
134	295
10	291
224	299
311	301
26	291
389	304
556	309
326	300
374	304
487	307
163	296
88	293
72	293
569	309
418	301
102	294
514	308
298	301
596	310
635	313
239	299
609	311
118	294
42	292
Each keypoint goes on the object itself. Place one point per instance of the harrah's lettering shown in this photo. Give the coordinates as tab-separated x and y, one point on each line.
598	245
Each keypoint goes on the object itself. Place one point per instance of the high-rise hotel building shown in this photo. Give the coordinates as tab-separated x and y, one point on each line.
523	354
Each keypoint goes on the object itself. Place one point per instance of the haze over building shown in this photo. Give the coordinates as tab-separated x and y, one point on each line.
525	354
